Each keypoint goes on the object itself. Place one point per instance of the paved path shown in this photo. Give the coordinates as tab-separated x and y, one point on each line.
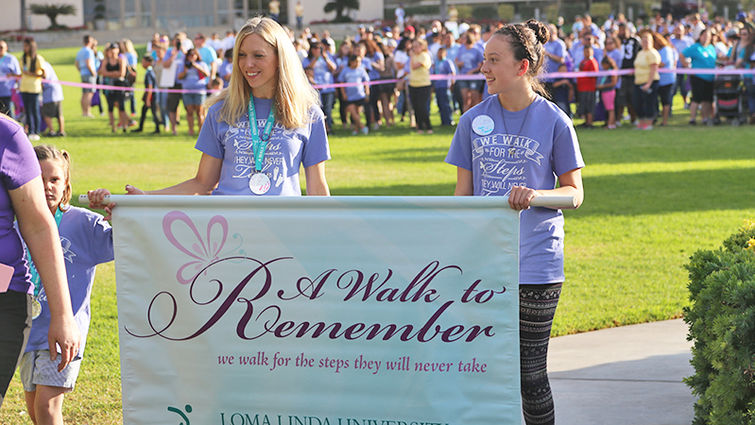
630	375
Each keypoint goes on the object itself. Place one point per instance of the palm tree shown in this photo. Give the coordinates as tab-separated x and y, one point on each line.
339	6
52	11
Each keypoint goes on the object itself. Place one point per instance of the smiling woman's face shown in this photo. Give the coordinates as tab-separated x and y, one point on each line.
258	62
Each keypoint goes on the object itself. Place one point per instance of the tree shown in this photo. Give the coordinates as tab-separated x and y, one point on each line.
339	6
52	11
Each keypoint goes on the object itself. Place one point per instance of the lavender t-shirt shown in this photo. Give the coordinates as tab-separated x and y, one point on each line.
87	240
501	156
287	150
18	166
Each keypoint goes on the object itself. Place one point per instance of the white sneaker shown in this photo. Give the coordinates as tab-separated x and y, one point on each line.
365	130
34	137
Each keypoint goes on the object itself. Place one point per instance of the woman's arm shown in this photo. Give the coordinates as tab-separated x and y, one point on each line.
316	183
37	227
208	175
570	184
464	185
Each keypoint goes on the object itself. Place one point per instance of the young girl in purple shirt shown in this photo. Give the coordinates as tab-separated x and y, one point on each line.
86	240
519	144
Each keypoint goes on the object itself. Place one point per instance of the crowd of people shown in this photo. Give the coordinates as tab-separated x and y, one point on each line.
269	121
186	70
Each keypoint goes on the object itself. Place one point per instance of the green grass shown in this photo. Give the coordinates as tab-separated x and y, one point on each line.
651	200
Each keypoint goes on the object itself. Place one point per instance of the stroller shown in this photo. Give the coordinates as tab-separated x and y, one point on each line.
728	98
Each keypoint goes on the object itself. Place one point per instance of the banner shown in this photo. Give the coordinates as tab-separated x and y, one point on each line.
318	310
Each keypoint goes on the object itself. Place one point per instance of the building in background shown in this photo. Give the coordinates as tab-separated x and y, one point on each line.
16	15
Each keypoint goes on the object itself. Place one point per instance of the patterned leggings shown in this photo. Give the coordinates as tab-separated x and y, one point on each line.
537	305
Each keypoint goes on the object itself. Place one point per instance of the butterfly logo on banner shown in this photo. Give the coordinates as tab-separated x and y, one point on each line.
205	249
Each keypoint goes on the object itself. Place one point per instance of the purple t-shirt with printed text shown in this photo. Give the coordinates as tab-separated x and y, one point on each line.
287	150
501	156
87	240
18	166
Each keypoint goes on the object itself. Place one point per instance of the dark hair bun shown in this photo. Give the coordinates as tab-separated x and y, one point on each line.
540	30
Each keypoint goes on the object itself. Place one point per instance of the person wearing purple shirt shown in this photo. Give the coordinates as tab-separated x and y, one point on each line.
9	67
86	240
289	127
193	74
22	195
520	145
555	56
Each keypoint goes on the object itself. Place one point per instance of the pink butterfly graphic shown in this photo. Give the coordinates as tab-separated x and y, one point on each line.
204	251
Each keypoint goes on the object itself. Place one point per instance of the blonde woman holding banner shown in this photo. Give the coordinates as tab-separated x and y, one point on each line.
520	145
287	128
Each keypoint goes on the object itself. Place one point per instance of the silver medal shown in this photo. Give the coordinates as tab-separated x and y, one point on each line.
259	183
36	308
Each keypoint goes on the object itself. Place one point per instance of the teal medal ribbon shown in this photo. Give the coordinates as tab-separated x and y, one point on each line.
259	182
35	279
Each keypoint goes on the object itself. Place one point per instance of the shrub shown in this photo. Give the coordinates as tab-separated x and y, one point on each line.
722	325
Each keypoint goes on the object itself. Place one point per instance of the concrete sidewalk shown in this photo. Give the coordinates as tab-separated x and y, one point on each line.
630	375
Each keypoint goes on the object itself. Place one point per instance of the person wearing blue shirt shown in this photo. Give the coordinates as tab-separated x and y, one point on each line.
52	96
356	93
193	74
702	55
443	66
9	67
666	82
85	63
321	66
680	41
555	56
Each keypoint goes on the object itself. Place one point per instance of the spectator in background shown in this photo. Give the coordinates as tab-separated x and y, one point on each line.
666	81
355	95
444	66
9	68
630	45
555	56
563	92
468	62
746	60
275	10
113	71
322	66
607	89
400	14
646	79
702	55
152	42
31	86
149	100
173	57
299	10
388	90
52	96
207	54
420	86
586	87
132	60
193	74
226	68
681	41
88	72
373	62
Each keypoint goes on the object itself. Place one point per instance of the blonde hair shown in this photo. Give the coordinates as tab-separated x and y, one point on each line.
294	96
51	153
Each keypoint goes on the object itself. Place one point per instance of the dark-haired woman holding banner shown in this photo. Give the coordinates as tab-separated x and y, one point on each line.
519	144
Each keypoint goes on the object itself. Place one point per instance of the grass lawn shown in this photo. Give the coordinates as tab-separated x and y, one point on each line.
651	199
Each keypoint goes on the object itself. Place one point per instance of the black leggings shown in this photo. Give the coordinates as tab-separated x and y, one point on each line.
537	306
420	98
15	317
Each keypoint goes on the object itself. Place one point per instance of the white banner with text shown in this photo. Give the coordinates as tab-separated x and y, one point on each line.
315	310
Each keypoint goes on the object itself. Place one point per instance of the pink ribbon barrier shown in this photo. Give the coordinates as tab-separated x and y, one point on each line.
573	74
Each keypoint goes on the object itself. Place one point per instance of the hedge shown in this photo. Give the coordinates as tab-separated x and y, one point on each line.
721	320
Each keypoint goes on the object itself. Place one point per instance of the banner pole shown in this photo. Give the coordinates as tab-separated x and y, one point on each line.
547	201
